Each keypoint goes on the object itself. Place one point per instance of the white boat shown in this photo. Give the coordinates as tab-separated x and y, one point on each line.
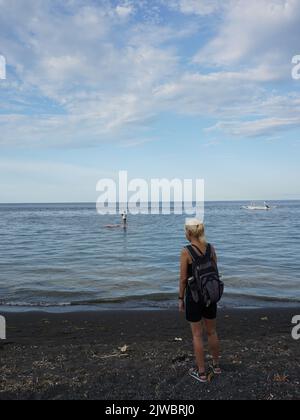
254	207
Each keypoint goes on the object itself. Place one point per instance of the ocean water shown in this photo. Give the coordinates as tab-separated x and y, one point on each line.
62	256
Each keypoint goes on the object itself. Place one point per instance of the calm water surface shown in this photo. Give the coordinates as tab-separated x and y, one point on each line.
62	255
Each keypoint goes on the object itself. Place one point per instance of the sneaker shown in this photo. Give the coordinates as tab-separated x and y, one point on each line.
200	377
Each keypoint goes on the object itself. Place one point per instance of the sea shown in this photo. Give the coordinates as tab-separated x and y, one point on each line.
62	257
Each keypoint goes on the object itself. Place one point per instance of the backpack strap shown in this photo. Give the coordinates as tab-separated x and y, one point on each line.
193	253
209	251
199	250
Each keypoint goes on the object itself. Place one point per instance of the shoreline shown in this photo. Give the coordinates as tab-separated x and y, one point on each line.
149	303
127	307
145	355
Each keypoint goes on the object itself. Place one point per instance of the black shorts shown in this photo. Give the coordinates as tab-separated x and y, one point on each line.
195	312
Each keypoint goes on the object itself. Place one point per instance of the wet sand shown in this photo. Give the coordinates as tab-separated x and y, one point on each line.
141	355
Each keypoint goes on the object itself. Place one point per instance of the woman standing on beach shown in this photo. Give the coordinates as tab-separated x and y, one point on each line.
198	315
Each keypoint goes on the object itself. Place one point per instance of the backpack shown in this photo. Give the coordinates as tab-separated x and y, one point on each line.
205	285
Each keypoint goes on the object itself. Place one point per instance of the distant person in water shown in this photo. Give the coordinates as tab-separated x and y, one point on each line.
124	218
123	225
124	222
201	318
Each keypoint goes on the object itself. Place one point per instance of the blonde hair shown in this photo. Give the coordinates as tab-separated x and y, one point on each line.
196	229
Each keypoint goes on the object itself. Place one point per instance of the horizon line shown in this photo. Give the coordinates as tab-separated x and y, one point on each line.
160	202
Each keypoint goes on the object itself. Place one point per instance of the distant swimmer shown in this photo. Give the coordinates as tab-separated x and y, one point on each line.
119	226
124	218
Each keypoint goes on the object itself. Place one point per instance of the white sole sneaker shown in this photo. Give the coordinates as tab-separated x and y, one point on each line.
196	375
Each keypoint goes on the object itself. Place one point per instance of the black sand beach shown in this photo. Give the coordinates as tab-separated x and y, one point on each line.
146	356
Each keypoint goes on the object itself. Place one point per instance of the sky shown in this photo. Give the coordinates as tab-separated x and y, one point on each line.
160	88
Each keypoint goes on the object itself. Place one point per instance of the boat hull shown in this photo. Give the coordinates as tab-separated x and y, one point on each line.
256	208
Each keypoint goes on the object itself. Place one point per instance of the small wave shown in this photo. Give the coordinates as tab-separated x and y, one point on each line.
262	298
34	305
157	299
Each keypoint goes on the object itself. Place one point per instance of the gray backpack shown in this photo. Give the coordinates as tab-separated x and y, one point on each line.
205	285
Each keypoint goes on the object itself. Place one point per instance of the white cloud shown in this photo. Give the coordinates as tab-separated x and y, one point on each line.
214	94
124	11
196	7
86	73
100	73
257	128
253	33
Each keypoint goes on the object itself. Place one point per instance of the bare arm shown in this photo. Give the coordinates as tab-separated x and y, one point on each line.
184	265
214	255
215	258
